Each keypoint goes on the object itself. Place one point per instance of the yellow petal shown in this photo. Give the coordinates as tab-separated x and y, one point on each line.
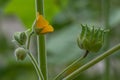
42	25
41	22
47	29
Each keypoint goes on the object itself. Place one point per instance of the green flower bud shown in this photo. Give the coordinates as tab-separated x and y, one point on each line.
20	53
20	37
37	30
91	39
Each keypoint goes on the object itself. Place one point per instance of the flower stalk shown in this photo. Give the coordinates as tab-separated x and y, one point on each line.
33	60
42	57
93	62
69	68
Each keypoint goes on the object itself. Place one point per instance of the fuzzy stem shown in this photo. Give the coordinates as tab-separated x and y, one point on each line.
28	43
34	62
93	62
59	76
42	57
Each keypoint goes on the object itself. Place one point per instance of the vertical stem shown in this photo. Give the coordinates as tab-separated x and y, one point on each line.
107	69
40	6
106	10
41	42
42	55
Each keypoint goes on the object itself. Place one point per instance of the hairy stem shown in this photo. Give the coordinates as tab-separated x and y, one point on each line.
93	62
42	57
28	43
59	76
34	62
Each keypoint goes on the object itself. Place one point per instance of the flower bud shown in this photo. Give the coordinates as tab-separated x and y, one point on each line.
42	25
20	37
20	53
91	39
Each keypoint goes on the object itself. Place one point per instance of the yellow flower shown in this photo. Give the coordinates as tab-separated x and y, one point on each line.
43	25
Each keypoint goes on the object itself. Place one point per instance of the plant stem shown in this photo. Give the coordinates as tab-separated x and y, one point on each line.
28	43
59	76
42	57
107	69
34	62
36	66
93	62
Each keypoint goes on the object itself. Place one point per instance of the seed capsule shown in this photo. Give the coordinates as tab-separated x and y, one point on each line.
20	37
91	39
20	53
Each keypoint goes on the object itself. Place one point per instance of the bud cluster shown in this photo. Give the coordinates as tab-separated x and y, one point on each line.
20	38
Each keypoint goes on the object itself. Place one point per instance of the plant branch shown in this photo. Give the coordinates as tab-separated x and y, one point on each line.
59	76
29	38
93	62
34	62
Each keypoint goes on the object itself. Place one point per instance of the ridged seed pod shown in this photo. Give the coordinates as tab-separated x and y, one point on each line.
91	38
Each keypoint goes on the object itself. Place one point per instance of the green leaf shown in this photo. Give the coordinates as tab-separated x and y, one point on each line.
51	8
24	9
3	3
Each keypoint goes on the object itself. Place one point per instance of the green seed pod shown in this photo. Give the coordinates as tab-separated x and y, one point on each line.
20	53
91	39
23	37
20	37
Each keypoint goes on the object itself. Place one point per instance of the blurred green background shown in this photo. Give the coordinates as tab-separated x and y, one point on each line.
66	17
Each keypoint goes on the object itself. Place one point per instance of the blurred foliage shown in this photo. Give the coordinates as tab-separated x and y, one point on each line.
23	9
26	10
66	17
4	43
3	3
17	71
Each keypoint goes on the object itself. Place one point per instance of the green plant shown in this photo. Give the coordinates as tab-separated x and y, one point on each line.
91	40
